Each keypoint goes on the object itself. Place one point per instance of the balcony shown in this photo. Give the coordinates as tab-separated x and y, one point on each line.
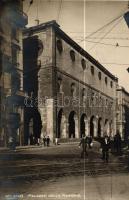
17	16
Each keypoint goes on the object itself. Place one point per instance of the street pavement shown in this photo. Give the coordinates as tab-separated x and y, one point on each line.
58	172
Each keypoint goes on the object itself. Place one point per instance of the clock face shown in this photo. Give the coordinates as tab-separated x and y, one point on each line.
40	47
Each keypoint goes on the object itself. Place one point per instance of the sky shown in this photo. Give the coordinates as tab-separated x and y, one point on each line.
79	19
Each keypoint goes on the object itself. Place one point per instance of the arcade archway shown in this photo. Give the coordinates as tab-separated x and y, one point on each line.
100	127
61	124
93	126
33	125
83	125
106	127
72	124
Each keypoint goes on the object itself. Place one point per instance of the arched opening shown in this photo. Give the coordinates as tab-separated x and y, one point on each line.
59	119
72	124
99	127
106	127
83	125
33	126
92	126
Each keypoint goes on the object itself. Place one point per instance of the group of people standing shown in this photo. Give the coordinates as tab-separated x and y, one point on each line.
106	143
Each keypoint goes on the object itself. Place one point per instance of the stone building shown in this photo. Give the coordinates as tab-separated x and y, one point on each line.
12	20
69	93
122	112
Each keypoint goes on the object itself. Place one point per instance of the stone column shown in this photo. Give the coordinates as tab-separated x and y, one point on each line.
67	128
86	127
76	127
102	129
95	122
49	115
63	126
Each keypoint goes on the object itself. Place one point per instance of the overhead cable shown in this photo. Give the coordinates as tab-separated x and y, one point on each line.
101	28
59	11
108	32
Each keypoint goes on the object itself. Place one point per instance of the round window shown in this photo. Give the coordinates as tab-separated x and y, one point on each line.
106	80
99	75
59	45
83	62
72	55
92	70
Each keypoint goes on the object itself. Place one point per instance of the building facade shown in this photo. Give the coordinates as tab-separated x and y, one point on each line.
68	92
122	112
12	20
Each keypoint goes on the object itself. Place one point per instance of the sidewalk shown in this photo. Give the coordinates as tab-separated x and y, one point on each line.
33	147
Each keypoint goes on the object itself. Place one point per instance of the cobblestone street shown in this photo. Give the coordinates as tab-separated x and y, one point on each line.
58	172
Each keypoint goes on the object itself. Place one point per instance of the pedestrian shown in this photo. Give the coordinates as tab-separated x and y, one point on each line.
83	143
105	145
48	141
117	143
10	142
31	139
44	141
90	141
56	141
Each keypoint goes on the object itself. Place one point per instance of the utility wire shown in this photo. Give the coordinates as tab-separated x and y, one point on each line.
59	12
102	43
115	63
107	32
103	27
78	32
30	3
109	38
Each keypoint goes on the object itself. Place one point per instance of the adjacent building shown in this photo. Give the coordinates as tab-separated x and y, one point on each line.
122	112
12	20
68	92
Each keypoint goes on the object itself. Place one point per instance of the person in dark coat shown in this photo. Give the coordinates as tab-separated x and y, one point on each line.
83	143
89	138
117	143
31	139
48	141
44	141
105	145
